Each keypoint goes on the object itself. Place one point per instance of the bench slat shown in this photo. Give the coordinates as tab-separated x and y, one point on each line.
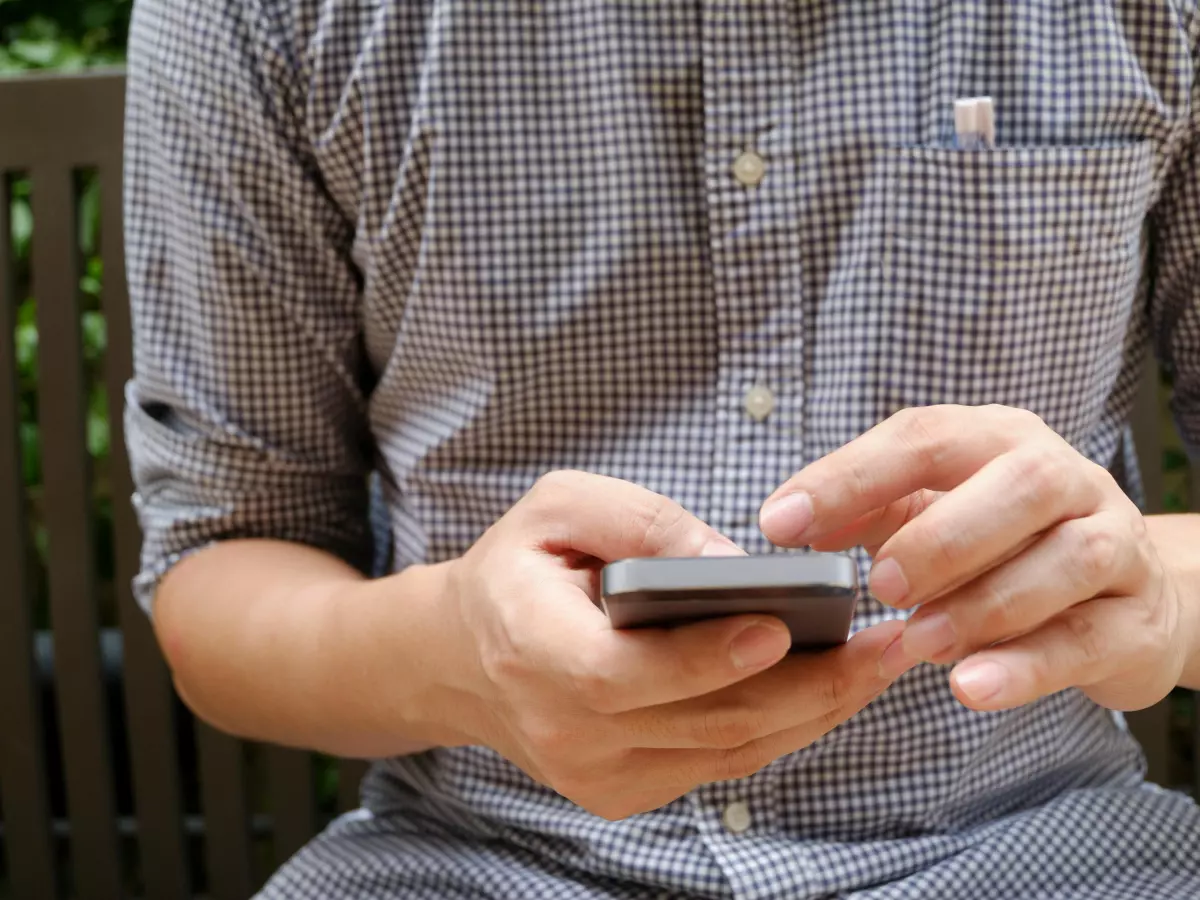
23	782
82	707
149	708
350	775
226	819
1194	506
293	800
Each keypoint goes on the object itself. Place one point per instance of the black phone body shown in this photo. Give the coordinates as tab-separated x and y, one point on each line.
813	593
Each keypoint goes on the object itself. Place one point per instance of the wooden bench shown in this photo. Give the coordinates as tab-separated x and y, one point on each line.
86	707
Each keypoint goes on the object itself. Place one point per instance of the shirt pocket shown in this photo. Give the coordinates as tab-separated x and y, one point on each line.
1010	276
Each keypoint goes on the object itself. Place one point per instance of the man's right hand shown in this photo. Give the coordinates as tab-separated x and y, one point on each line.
623	722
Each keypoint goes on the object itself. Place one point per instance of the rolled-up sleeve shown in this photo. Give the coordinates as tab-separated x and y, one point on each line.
246	413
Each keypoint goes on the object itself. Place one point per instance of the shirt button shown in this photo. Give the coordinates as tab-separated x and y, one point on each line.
749	169
737	817
759	402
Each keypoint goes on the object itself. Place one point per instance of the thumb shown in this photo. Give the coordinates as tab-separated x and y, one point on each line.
610	519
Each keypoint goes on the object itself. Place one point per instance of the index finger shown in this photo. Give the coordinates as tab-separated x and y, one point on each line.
936	448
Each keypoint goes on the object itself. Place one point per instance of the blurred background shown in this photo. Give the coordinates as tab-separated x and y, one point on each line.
62	36
48	38
86	38
66	35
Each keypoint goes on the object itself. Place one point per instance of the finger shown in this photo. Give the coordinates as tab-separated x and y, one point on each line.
873	529
1081	647
688	768
571	647
1006	503
672	772
610	670
934	447
610	519
804	689
1072	563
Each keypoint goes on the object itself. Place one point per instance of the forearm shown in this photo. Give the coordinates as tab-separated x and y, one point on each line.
284	643
1177	540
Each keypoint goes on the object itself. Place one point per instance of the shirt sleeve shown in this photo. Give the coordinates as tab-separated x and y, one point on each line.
1175	301
246	415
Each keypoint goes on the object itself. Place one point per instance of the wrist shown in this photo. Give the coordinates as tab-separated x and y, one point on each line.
1189	627
1175	538
411	658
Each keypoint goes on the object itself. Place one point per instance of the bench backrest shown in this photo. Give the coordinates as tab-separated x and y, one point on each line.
255	805
152	803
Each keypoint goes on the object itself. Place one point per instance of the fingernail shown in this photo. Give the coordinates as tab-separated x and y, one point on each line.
896	660
719	546
930	637
788	516
759	645
887	582
981	681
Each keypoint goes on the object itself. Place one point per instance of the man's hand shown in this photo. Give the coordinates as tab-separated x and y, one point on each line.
1026	560
626	721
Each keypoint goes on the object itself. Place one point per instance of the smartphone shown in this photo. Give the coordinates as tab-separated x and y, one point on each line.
813	593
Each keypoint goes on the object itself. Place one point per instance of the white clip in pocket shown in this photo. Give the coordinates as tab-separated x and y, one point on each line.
975	123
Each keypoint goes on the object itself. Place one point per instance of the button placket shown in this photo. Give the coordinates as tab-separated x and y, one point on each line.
754	191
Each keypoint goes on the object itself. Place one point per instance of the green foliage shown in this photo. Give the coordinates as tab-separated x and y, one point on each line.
1174	460
65	35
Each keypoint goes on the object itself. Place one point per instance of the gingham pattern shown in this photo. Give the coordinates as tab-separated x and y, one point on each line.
468	242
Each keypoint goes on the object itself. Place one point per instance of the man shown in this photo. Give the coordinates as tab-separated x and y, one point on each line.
592	280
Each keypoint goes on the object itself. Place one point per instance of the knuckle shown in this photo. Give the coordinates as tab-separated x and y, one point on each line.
1000	608
1101	477
556	481
740	762
1138	528
502	664
1087	636
586	792
506	652
836	717
1022	417
554	491
1095	552
544	501
1148	641
943	546
609	809
919	428
657	521
1035	475
614	807
834	692
861	479
729	727
1040	668
686	667
593	685
551	742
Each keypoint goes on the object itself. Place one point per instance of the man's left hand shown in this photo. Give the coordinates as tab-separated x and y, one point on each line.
1028	565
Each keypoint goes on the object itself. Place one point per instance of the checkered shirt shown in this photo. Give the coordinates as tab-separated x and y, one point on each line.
461	243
